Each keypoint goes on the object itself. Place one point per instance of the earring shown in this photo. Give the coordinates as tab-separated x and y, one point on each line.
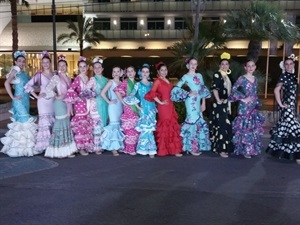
228	71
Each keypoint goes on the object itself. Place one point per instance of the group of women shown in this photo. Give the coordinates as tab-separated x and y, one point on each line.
119	115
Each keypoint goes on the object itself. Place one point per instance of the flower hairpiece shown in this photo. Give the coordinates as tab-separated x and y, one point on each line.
140	74
157	65
97	60
82	59
61	58
146	65
45	54
225	55
292	57
19	53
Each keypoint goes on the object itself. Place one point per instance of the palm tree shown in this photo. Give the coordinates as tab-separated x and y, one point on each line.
14	23
261	21
211	37
82	32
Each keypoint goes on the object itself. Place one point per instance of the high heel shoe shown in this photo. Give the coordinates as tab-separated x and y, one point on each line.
196	153
298	161
224	155
115	153
178	155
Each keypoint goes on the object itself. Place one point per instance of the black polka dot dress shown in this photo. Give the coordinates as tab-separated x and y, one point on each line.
285	135
219	124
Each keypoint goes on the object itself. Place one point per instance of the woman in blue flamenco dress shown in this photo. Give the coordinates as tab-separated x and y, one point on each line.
20	138
112	138
147	122
247	125
194	130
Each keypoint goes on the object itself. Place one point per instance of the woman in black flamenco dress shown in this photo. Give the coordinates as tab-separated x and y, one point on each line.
285	135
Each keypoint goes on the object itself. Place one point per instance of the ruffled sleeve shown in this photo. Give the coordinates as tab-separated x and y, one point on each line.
121	88
237	93
153	92
178	94
72	93
50	93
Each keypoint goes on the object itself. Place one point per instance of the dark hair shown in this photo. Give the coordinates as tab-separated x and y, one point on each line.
223	60
249	60
287	58
62	61
131	67
159	65
187	61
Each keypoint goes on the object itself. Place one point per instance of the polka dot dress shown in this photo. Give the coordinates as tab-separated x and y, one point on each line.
285	135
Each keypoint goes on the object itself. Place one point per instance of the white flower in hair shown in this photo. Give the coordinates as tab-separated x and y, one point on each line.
281	65
292	56
97	60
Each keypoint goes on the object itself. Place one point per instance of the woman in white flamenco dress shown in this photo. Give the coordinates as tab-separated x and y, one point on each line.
19	140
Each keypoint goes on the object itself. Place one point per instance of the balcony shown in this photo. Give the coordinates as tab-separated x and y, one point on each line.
144	34
174	6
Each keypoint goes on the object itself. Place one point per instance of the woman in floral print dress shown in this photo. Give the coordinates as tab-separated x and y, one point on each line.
247	126
194	129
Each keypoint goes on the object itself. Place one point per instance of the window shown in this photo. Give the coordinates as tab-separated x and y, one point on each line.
102	23
103	1
156	23
128	23
179	23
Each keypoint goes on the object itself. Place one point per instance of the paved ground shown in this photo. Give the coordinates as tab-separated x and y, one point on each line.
126	190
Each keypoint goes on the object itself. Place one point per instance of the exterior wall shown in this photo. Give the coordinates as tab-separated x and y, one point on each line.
5	15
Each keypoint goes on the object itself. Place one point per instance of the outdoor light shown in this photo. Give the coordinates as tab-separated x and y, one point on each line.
224	21
169	22
142	22
115	22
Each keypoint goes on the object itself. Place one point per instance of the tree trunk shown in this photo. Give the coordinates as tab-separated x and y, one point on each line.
13	7
254	49
197	20
81	48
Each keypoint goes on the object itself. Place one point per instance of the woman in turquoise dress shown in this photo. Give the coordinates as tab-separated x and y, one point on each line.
147	121
112	138
20	138
194	130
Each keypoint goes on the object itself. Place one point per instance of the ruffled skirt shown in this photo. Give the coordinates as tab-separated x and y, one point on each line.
19	140
45	124
285	137
82	127
169	141
146	125
128	123
112	137
247	133
195	136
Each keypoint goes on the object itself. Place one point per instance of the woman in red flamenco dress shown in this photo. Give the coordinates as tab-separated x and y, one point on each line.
167	134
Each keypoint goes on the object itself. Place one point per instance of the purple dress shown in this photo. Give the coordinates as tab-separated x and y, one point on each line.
46	112
247	126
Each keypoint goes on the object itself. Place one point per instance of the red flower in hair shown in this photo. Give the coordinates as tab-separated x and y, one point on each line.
157	65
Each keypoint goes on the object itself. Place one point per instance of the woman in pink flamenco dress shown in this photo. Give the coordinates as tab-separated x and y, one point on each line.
62	143
81	123
98	106
130	116
45	105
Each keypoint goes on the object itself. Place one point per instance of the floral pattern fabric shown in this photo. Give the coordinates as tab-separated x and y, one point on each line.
247	126
194	129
